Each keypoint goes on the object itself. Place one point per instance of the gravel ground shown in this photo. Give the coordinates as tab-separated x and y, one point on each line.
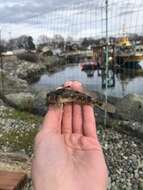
124	154
124	157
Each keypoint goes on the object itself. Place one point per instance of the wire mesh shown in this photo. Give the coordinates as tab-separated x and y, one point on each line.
112	31
79	20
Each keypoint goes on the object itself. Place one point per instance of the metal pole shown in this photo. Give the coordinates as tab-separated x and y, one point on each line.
9	35
106	63
1	64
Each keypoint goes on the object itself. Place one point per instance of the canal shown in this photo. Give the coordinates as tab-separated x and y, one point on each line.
120	84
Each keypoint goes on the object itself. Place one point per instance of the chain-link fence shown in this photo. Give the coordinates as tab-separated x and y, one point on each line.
99	43
82	25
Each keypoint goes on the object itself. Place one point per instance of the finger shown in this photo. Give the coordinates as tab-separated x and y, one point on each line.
77	86
89	125
52	120
77	111
68	84
67	119
77	119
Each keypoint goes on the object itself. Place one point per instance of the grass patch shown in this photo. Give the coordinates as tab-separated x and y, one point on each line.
24	116
21	132
16	140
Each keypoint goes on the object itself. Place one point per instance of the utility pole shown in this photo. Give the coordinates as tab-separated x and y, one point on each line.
106	63
9	35
1	64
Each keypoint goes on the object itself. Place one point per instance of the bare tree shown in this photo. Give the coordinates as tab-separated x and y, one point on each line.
58	41
44	40
69	39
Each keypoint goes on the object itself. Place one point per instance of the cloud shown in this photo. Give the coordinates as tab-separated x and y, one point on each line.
74	17
18	11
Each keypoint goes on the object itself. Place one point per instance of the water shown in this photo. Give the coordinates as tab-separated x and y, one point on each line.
121	84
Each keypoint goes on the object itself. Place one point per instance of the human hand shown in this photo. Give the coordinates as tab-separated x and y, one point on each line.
68	155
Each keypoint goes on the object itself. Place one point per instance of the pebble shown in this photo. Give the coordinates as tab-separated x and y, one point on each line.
123	153
124	157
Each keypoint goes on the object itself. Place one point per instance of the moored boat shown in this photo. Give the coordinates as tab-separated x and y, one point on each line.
91	65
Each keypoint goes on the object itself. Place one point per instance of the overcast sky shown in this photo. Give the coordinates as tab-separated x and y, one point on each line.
77	18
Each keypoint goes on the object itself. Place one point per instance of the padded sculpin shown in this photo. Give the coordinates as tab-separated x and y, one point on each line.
66	95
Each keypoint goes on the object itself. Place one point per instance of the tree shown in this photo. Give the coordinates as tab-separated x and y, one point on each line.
3	46
68	43
12	44
58	41
69	39
31	45
25	42
22	42
44	40
85	43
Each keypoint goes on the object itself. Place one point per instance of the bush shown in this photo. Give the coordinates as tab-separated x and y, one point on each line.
28	56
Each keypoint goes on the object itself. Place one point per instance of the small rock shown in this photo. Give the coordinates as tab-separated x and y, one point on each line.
23	101
130	107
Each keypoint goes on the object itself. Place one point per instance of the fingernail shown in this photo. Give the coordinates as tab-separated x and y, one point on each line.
68	83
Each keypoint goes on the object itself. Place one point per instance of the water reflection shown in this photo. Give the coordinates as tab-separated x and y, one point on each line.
89	73
120	82
101	73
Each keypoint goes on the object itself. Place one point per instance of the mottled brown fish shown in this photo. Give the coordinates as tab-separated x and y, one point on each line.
66	95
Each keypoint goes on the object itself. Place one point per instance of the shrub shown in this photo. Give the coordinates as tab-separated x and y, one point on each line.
28	56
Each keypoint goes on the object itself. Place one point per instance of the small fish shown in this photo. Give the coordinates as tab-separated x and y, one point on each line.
66	95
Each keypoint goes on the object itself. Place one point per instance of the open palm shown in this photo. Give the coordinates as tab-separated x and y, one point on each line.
68	155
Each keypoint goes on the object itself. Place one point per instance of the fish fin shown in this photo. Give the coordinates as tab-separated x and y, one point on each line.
108	107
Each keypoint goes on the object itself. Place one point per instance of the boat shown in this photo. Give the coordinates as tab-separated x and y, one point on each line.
91	65
89	73
129	55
